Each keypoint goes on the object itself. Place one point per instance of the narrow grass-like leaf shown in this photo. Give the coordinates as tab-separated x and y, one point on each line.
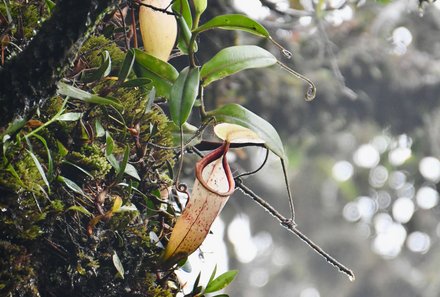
183	94
237	114
234	59
71	185
214	271
123	164
221	282
118	264
69	116
79	168
50	5
162	74
109	144
136	82
71	91
80	209
39	168
126	67
50	170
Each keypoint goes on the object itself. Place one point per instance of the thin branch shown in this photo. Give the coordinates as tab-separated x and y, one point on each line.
163	10
291	227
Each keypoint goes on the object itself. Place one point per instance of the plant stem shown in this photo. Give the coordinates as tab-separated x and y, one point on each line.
291	227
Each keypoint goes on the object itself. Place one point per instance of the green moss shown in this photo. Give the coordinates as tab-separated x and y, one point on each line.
20	175
91	158
16	271
28	15
92	50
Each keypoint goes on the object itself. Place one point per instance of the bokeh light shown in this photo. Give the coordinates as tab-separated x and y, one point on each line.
309	292
366	156
427	197
342	171
378	176
418	242
403	209
429	168
388	243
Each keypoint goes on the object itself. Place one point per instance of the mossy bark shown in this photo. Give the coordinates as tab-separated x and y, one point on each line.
30	77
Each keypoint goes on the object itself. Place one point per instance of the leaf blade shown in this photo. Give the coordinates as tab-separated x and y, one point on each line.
183	94
234	59
162	74
237	114
73	92
221	282
234	22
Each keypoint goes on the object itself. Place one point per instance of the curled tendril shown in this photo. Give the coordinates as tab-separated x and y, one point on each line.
311	91
285	52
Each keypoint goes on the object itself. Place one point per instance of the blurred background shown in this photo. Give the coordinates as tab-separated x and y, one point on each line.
363	156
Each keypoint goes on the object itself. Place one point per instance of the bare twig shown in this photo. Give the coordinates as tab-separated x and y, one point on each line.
291	226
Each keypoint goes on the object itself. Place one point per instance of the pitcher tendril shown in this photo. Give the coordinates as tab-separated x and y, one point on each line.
311	91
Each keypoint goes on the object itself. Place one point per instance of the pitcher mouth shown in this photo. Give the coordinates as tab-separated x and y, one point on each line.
211	157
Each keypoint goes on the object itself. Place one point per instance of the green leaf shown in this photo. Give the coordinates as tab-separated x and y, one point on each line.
234	59
109	144
126	67
69	116
71	185
50	5
137	82
237	114
100	132
214	271
62	150
118	264
184	36
200	6
150	101
183	94
234	22
221	282
181	8
196	282
131	170
185	23
94	74
71	91
162	74
123	164
39	168
8	13
50	171
80	209
13	127
79	168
